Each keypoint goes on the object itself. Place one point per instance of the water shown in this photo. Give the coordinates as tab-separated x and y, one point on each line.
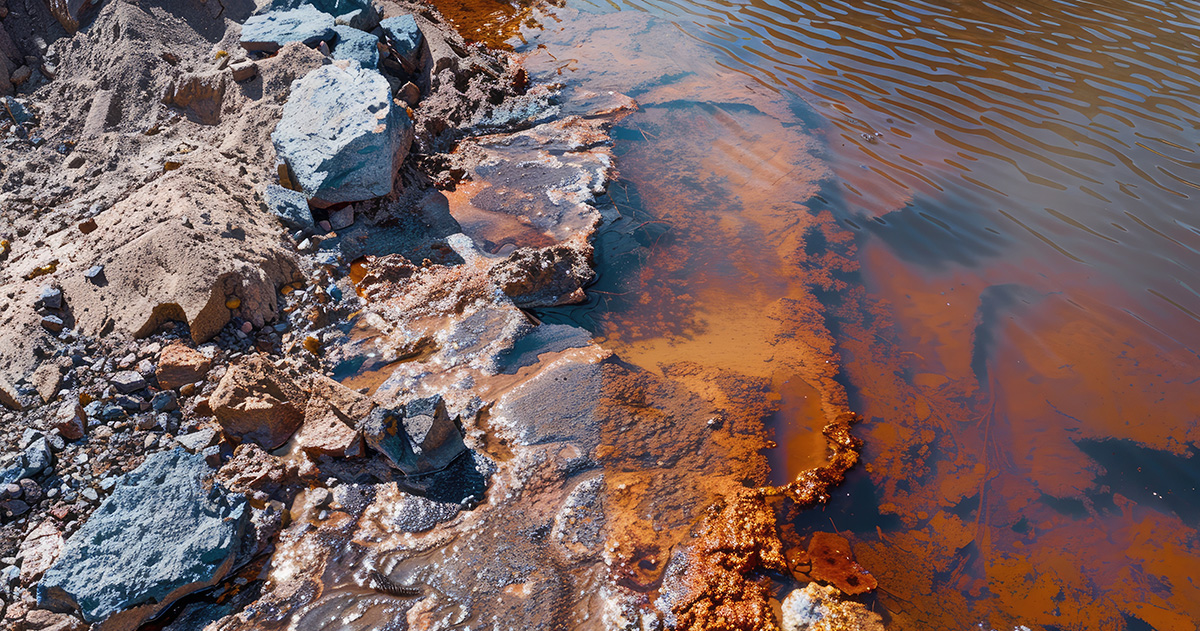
996	206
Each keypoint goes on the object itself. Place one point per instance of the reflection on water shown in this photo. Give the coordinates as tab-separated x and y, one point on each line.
1020	327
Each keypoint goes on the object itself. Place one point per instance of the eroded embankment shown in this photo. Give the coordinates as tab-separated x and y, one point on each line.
490	470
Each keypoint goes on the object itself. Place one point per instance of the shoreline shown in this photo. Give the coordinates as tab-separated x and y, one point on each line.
334	499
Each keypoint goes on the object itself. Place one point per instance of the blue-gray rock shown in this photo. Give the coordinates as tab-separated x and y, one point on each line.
342	135
417	437
94	273
51	297
20	113
165	401
33	460
356	45
111	413
291	207
166	531
405	38
127	381
359	14
270	31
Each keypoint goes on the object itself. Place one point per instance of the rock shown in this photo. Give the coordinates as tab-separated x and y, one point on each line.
417	438
198	441
342	135
200	93
291	207
87	226
70	421
359	14
33	460
342	218
405	38
127	381
42	620
31	491
67	12
410	94
270	31
357	45
9	397
13	509
179	365
820	608
165	401
243	70
545	277
46	379
40	549
330	419
51	297
252	469
833	563
258	402
54	324
20	75
165	532
94	273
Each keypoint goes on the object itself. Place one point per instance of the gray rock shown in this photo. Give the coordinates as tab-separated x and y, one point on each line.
165	401
51	297
359	14
13	509
356	45
127	381
341	218
166	531
291	207
414	513
417	438
270	31
342	135
33	460
405	38
198	441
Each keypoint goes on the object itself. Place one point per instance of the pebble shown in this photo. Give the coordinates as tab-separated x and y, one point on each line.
94	273
51	297
90	494
53	324
127	381
247	327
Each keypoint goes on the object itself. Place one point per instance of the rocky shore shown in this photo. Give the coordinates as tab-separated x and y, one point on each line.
266	359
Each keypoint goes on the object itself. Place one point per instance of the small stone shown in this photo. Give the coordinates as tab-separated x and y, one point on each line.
233	303
198	441
41	547
324	225
20	75
54	324
146	367
70	421
291	207
165	401
94	273
51	297
12	509
342	218
410	94
187	389
243	70
179	365
90	494
247	327
127	381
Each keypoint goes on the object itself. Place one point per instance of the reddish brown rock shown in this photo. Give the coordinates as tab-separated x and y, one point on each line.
257	402
41	547
70	421
330	419
833	563
179	365
42	620
252	469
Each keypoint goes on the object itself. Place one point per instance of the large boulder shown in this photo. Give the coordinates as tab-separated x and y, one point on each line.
356	45
342	134
270	31
255	401
166	531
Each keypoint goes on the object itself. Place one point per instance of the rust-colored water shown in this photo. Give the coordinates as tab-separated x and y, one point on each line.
996	206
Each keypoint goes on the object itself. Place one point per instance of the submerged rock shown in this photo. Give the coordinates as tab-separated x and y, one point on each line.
256	401
166	531
342	135
270	31
417	437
